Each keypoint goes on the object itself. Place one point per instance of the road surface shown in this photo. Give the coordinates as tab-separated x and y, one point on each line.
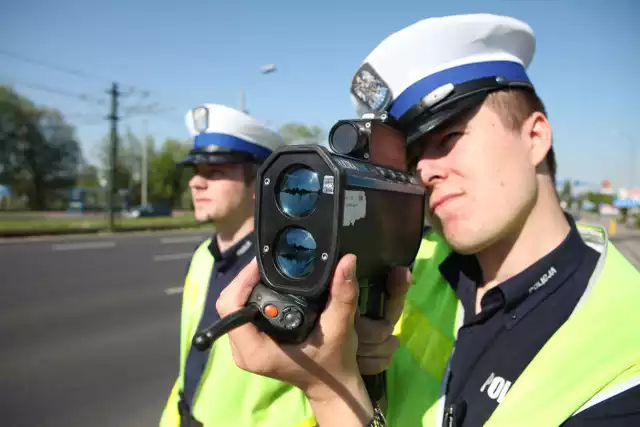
89	328
625	239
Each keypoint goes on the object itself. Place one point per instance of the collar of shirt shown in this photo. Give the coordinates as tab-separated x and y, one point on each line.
464	275
224	260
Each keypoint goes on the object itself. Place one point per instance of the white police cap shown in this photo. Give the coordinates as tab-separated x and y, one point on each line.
224	135
438	67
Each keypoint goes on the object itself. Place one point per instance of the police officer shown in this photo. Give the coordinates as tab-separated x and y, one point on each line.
517	315
228	147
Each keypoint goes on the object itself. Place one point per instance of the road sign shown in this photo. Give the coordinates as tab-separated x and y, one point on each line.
605	187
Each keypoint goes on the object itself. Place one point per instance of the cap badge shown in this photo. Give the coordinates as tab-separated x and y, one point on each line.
200	116
369	88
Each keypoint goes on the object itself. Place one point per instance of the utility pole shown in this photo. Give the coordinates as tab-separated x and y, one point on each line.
242	103
265	69
113	158
145	161
632	163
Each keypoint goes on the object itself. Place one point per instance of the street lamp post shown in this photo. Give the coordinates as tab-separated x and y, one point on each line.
631	157
265	69
242	102
632	161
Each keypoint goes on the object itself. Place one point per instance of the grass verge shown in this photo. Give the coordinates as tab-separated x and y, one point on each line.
78	225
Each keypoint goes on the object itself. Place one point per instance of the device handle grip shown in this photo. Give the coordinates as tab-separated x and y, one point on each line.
373	304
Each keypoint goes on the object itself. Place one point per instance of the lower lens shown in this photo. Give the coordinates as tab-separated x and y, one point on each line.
344	138
298	191
295	252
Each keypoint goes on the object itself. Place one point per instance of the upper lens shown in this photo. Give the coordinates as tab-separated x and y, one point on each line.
298	191
344	138
295	252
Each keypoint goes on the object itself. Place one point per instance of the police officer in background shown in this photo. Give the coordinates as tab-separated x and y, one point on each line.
517	315
228	147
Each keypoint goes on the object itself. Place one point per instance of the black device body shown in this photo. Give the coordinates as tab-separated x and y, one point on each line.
314	206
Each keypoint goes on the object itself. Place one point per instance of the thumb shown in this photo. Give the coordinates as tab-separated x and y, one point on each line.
343	297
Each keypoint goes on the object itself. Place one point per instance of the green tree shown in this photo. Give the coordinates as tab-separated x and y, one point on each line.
565	194
297	133
88	177
623	215
167	183
128	164
38	150
597	199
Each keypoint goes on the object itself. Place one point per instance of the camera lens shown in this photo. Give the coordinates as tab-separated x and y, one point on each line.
295	252
298	191
344	138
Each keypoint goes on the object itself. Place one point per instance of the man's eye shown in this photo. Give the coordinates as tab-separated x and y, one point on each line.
210	174
450	137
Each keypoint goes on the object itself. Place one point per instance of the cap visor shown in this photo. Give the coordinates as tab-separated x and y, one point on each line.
214	159
444	115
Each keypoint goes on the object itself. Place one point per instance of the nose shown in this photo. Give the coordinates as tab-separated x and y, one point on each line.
431	171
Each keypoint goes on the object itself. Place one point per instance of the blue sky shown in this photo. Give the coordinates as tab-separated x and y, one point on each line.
180	54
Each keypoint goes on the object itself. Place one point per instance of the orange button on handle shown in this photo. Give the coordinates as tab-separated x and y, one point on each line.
271	311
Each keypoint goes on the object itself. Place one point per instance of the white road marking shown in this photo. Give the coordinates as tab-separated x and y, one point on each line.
181	239
82	246
128	235
172	257
173	291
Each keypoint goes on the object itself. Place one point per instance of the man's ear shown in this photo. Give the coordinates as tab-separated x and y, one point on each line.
252	185
537	133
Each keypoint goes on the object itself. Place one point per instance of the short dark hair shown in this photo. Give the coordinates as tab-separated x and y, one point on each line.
514	106
250	170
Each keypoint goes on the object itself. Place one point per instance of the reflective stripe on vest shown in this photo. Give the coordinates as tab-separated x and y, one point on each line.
595	351
228	396
611	392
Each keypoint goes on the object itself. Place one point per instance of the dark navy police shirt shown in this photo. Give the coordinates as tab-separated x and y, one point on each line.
516	319
225	268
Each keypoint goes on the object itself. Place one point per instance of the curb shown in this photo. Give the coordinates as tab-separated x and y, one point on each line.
16	234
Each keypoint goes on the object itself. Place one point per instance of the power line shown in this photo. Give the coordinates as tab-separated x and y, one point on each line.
144	95
128	90
154	109
83	119
64	69
137	110
62	92
51	66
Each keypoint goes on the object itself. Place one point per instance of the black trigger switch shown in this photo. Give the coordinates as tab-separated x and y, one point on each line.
292	318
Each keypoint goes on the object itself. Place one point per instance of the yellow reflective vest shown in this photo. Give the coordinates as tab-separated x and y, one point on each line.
594	355
228	396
